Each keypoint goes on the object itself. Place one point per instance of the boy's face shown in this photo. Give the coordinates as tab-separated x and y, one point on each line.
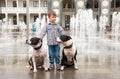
52	18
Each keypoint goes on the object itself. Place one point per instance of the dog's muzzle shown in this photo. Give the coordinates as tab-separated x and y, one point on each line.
28	42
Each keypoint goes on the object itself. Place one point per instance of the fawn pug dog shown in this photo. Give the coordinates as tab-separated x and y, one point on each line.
39	56
69	52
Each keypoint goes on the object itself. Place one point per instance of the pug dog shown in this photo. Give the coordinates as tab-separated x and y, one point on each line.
39	56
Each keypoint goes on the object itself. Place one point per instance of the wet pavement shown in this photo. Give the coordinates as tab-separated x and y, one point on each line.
20	71
15	53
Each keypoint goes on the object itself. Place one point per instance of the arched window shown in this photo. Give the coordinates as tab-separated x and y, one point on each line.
91	4
68	4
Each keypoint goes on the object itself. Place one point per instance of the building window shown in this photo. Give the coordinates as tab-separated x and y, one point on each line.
2	16
24	3
14	4
35	4
67	22
25	19
68	4
45	4
95	4
88	5
110	20
14	20
35	17
97	17
118	3
91	4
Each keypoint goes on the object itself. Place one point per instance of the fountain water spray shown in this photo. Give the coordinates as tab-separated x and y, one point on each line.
116	26
102	24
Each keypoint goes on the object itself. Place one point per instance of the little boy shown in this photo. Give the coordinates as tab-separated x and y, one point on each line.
53	31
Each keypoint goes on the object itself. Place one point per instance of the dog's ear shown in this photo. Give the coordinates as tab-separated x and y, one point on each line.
65	38
69	37
27	41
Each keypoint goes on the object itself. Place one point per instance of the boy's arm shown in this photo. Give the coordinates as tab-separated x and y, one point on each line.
43	32
61	30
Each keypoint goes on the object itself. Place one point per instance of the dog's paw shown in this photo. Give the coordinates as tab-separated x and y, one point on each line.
35	70
76	68
62	68
46	69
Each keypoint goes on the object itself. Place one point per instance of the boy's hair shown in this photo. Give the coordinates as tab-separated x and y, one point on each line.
51	13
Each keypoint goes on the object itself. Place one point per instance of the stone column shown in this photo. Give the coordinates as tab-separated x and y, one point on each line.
39	15
17	3
17	19
6	16
6	22
6	3
39	3
28	18
17	14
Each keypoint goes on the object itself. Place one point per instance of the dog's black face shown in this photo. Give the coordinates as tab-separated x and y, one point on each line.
65	38
34	41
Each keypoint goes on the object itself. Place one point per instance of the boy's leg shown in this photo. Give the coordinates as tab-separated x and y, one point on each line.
51	56
57	56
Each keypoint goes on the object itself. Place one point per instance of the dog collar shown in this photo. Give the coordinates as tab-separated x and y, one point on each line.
38	47
67	47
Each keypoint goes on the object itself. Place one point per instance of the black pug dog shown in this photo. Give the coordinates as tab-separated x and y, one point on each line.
39	55
69	52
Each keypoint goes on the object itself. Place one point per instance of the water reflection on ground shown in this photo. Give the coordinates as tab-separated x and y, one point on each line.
20	71
15	53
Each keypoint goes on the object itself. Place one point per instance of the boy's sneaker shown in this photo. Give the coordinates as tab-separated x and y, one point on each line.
58	66
51	67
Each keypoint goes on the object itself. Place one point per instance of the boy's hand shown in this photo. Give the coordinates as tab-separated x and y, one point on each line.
58	39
